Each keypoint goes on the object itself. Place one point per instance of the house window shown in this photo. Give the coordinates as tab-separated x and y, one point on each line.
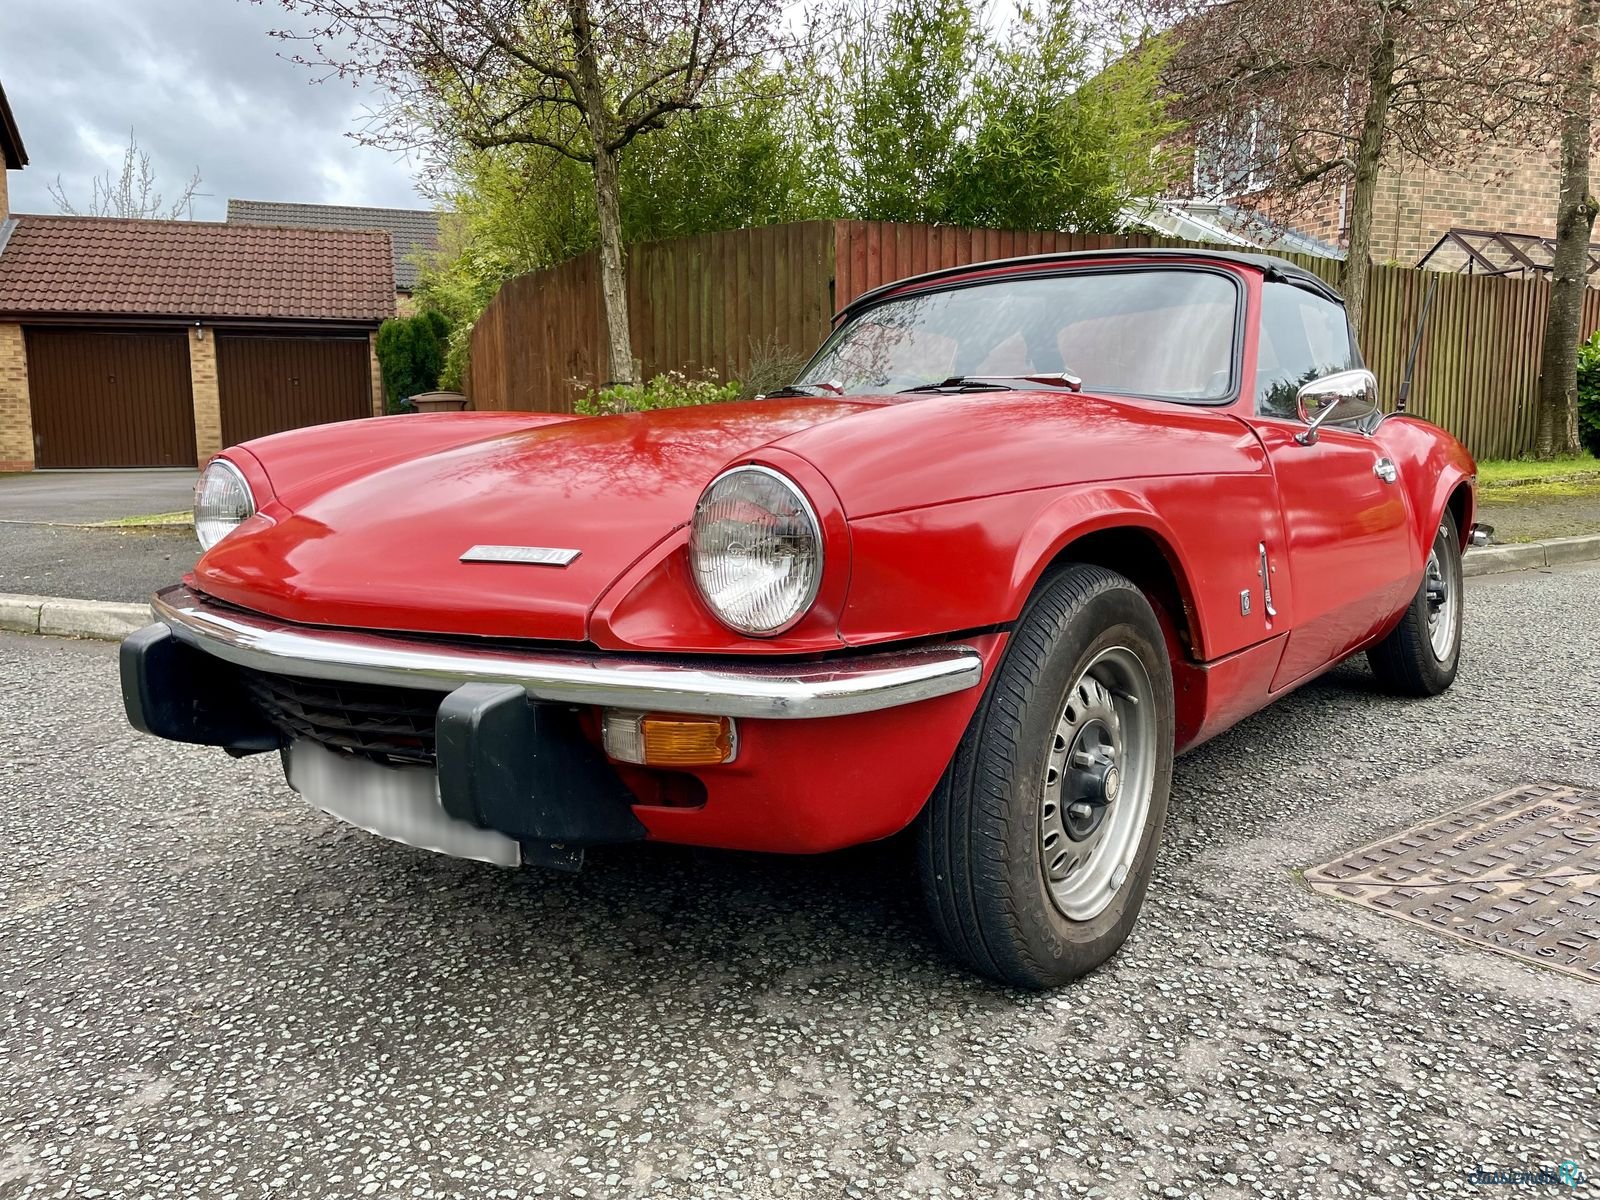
1235	157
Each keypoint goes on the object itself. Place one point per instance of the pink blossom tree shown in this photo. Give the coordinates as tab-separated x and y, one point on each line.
582	78
1317	94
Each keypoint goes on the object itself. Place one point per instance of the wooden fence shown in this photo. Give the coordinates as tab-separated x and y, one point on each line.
708	301
693	303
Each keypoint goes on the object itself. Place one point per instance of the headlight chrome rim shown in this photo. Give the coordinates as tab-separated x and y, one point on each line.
805	509
202	525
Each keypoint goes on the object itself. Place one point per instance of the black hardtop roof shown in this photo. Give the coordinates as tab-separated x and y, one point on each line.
1279	270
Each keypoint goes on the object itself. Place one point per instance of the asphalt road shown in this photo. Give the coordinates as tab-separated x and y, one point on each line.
206	989
85	496
93	564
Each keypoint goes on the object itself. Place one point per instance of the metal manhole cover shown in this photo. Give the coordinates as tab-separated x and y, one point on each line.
1518	873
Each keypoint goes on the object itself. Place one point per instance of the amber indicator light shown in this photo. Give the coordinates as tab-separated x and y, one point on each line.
664	740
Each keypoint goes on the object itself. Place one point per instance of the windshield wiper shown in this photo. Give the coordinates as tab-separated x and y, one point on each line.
1059	379
808	389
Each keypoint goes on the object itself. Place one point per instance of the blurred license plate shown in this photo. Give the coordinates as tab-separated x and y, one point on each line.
399	803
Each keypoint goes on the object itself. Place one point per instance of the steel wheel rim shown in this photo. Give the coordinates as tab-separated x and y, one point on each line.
1444	611
1102	758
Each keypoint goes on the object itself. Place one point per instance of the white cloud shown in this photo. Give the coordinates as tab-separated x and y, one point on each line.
203	86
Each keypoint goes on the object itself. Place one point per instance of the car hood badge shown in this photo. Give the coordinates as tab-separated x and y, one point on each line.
536	556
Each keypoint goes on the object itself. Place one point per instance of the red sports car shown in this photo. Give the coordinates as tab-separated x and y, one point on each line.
1018	534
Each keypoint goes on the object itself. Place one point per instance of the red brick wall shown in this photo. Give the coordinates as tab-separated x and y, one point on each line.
1510	189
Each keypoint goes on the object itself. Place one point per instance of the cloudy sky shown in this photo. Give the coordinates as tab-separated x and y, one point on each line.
202	86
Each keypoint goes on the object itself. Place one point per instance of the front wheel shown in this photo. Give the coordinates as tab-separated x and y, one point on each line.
1421	656
1038	843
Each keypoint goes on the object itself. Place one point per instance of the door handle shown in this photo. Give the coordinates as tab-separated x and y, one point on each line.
1266	582
1385	470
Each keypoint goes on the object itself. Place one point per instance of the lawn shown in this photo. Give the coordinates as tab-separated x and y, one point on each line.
1506	472
1529	501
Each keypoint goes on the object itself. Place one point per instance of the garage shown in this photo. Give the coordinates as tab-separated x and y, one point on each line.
158	343
267	384
110	399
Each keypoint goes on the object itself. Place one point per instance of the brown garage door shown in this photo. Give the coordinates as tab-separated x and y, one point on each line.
110	399
268	384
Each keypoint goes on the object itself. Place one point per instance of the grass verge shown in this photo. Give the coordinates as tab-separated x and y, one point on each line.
1510	472
146	521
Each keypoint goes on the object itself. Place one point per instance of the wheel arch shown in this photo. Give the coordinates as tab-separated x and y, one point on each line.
1462	505
1137	549
1136	544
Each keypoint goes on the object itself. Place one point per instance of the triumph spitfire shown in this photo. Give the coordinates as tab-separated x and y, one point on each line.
1018	534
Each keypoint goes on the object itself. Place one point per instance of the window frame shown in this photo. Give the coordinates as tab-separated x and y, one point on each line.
1235	357
1209	147
1358	360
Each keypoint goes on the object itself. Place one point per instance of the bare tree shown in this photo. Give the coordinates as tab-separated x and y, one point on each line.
1557	430
1312	95
580	77
130	192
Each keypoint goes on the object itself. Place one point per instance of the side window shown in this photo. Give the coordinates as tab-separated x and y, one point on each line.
1303	337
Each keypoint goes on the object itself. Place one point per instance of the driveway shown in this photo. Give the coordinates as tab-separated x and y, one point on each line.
206	988
93	564
45	552
80	497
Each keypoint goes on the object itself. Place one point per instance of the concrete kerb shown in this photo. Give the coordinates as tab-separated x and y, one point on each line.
60	616
1490	560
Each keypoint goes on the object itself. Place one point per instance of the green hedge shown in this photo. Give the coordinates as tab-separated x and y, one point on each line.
411	354
1589	395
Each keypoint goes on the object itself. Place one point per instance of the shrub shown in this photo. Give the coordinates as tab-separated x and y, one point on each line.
457	350
410	356
1589	395
772	365
670	389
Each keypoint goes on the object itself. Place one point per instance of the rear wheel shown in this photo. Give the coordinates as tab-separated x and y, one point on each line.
1421	656
1038	844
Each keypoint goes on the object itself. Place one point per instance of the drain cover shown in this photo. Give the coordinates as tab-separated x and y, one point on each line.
1518	873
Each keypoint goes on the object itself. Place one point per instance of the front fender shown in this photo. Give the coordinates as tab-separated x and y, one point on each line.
972	564
1433	467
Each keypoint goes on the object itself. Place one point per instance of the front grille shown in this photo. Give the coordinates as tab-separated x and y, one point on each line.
377	722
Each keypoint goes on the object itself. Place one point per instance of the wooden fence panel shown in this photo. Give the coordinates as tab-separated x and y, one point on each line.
698	303
705	302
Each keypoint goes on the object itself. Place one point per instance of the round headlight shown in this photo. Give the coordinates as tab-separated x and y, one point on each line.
756	550
222	502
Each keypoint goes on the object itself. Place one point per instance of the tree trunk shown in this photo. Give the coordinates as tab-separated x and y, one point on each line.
608	206
613	278
1558	365
1363	195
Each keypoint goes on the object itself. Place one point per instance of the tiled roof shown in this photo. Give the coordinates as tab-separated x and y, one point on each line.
106	266
413	229
13	157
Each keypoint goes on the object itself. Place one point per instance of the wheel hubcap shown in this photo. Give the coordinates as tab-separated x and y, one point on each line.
1097	784
1443	610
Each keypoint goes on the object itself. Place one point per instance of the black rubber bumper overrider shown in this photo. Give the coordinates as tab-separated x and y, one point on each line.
525	769
185	695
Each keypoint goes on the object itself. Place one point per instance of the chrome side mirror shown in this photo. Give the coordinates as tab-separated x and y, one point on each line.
1343	396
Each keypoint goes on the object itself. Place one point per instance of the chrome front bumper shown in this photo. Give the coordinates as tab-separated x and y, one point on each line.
748	688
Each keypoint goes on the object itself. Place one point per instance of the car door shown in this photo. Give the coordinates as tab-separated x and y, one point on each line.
1346	525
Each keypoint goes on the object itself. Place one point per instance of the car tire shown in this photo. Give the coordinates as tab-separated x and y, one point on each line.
1021	885
1421	655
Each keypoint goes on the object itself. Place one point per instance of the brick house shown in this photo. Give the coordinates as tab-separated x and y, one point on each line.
1507	188
1510	189
144	343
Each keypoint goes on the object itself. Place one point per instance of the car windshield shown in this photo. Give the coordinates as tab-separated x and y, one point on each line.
1162	333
